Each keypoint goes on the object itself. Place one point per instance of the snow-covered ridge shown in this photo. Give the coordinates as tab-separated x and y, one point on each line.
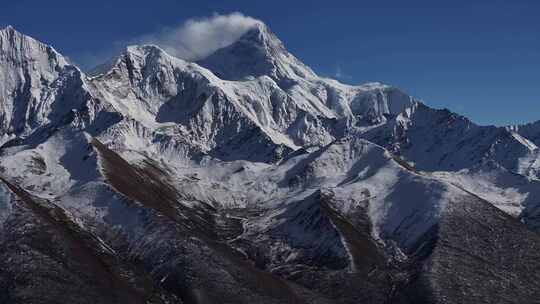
258	52
149	101
247	157
155	95
38	87
18	48
156	89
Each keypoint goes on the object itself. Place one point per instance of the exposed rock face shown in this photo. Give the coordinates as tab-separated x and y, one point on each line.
246	178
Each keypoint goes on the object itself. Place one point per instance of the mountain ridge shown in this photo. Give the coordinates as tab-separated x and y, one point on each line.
234	182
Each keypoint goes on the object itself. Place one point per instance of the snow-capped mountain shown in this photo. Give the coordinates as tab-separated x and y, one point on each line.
38	87
441	140
244	177
257	53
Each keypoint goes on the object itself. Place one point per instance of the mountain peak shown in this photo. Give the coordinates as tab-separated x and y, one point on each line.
7	28
38	86
261	35
258	52
145	51
18	47
10	29
9	32
135	53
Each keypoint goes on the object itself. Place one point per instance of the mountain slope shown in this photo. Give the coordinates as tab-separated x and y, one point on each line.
436	140
531	131
257	53
475	257
48	257
247	178
185	102
38	87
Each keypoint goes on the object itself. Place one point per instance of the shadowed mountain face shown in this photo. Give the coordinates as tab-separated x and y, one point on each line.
47	257
246	178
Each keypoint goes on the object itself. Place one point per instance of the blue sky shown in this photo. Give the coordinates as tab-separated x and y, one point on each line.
477	58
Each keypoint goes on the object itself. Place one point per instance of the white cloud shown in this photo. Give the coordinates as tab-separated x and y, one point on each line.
194	39
198	38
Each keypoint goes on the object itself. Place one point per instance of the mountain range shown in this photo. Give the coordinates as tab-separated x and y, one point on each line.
244	177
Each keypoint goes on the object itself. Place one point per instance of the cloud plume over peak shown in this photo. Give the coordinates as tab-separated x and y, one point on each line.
200	37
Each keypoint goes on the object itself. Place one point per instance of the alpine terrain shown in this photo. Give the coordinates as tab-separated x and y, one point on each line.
244	177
